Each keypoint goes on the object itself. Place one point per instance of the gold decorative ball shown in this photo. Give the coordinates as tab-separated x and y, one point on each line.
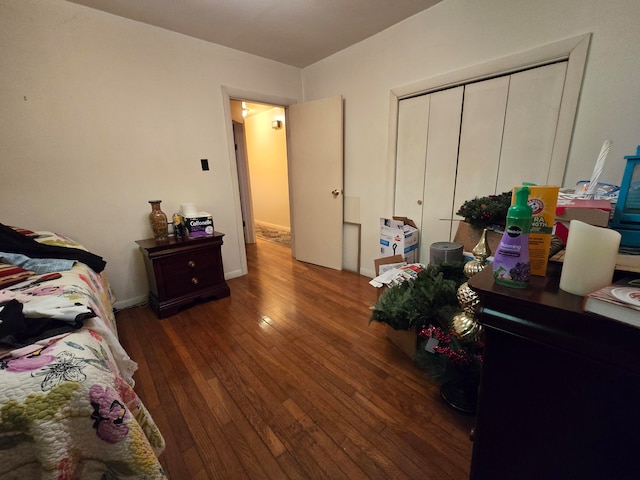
466	328
474	266
467	298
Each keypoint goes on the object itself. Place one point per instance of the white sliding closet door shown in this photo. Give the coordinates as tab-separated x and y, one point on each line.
426	169
485	104
411	152
530	127
474	140
440	174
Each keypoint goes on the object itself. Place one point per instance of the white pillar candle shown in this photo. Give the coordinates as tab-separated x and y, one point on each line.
589	259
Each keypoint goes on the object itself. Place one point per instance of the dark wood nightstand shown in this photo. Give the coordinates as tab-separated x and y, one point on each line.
182	270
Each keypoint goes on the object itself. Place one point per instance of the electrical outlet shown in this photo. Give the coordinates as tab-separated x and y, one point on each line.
205	164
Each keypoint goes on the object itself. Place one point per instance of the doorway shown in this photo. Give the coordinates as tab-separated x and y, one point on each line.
314	146
261	156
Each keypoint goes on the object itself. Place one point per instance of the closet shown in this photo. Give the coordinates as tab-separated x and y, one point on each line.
473	140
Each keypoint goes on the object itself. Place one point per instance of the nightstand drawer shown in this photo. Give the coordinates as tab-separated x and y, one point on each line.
189	272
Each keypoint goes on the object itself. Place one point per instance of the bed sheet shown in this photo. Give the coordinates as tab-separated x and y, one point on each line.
68	408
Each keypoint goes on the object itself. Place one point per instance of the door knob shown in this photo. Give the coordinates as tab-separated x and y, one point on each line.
335	193
419	202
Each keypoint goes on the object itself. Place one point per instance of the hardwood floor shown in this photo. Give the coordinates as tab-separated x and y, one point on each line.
286	379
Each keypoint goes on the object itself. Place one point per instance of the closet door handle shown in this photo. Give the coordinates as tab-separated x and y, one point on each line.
419	202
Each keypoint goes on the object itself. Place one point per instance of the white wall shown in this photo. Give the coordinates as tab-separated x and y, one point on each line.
101	114
457	34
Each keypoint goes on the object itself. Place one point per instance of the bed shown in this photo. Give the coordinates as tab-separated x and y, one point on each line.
67	405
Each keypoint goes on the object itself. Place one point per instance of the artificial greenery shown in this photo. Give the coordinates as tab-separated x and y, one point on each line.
484	212
428	303
429	298
450	359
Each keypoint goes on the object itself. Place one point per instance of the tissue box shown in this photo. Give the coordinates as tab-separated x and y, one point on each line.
198	225
399	236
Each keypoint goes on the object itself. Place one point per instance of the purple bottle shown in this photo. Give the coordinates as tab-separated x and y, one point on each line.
511	266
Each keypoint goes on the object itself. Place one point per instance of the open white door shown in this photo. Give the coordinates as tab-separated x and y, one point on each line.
244	183
315	153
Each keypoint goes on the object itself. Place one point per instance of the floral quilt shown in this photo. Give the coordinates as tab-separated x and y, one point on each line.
67	405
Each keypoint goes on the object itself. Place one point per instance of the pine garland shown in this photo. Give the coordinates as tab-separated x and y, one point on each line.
429	302
484	212
430	297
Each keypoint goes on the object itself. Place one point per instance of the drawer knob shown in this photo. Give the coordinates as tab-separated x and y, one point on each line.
191	263
194	280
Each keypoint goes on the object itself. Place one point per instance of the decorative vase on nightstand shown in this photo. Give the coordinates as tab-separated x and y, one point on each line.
158	221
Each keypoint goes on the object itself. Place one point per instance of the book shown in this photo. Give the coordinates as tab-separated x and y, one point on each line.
619	301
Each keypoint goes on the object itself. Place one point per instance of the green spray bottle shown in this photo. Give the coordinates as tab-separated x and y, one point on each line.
511	266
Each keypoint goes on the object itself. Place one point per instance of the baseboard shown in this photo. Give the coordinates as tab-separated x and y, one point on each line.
368	272
130	302
234	274
271	225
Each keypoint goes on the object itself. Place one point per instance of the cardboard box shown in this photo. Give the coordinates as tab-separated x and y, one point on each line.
379	262
468	237
399	236
198	225
393	260
405	340
593	212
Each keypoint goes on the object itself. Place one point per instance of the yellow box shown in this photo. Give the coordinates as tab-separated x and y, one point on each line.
543	201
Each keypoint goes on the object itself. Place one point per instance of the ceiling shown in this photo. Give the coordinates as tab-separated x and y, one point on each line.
293	32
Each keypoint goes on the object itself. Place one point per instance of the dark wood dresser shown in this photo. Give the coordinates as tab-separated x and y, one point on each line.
182	270
560	390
